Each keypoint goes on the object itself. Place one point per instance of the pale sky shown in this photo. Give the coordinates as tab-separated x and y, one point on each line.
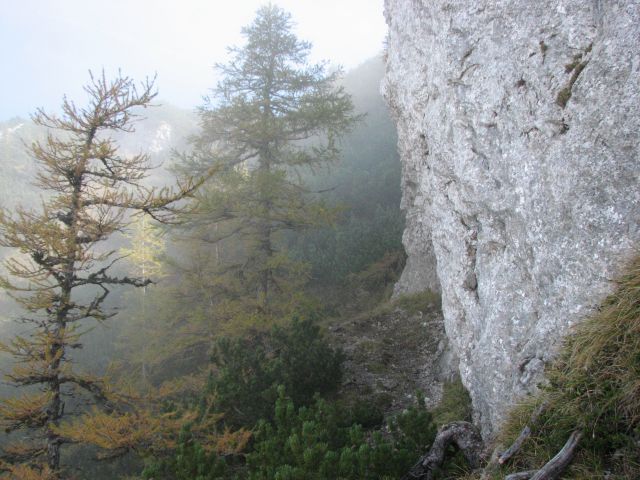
48	46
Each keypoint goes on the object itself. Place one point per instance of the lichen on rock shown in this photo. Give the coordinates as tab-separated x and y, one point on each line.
520	175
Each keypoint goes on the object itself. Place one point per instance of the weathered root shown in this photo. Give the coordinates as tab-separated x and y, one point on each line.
521	475
467	438
554	467
464	434
524	434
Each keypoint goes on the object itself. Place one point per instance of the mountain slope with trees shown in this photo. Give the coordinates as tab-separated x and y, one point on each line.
225	356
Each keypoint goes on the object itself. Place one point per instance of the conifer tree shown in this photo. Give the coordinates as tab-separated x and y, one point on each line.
63	273
147	246
272	114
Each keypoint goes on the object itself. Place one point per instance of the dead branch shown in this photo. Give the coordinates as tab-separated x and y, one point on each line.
521	475
488	472
554	467
524	434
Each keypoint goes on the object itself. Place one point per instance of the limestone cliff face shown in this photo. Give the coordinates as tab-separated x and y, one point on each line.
519	131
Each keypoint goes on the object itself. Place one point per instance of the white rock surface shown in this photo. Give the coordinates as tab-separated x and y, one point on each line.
528	204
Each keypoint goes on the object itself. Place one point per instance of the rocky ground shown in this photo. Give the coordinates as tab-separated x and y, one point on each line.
393	350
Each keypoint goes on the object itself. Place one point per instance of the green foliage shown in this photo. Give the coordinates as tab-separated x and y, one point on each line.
414	429
208	289
365	186
271	115
304	361
594	387
243	384
367	411
249	368
190	462
320	443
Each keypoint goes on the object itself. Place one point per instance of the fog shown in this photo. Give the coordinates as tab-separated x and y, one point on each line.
47	47
160	328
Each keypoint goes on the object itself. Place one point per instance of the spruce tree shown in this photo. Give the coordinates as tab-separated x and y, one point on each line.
63	272
272	114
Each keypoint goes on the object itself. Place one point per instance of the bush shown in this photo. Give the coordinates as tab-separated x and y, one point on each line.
321	443
243	385
296	356
304	362
190	462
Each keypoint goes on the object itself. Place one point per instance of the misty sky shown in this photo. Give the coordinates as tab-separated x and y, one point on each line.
47	47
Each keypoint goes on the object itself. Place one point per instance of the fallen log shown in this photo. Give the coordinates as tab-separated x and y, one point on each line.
464	435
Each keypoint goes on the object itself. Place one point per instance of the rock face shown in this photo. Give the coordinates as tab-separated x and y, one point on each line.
519	132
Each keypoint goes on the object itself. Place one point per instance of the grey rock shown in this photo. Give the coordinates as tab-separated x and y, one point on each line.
519	128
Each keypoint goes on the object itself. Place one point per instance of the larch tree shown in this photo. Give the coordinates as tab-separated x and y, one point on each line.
63	272
144	258
272	115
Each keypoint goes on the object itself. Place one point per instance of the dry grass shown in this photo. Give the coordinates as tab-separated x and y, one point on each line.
593	386
455	404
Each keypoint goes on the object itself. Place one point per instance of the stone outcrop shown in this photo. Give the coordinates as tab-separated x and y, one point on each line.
519	128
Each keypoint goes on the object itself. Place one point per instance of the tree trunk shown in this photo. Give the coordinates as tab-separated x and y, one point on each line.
54	408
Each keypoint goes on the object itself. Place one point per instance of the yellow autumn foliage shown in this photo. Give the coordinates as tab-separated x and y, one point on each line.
185	385
120	433
148	432
231	443
25	410
25	472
